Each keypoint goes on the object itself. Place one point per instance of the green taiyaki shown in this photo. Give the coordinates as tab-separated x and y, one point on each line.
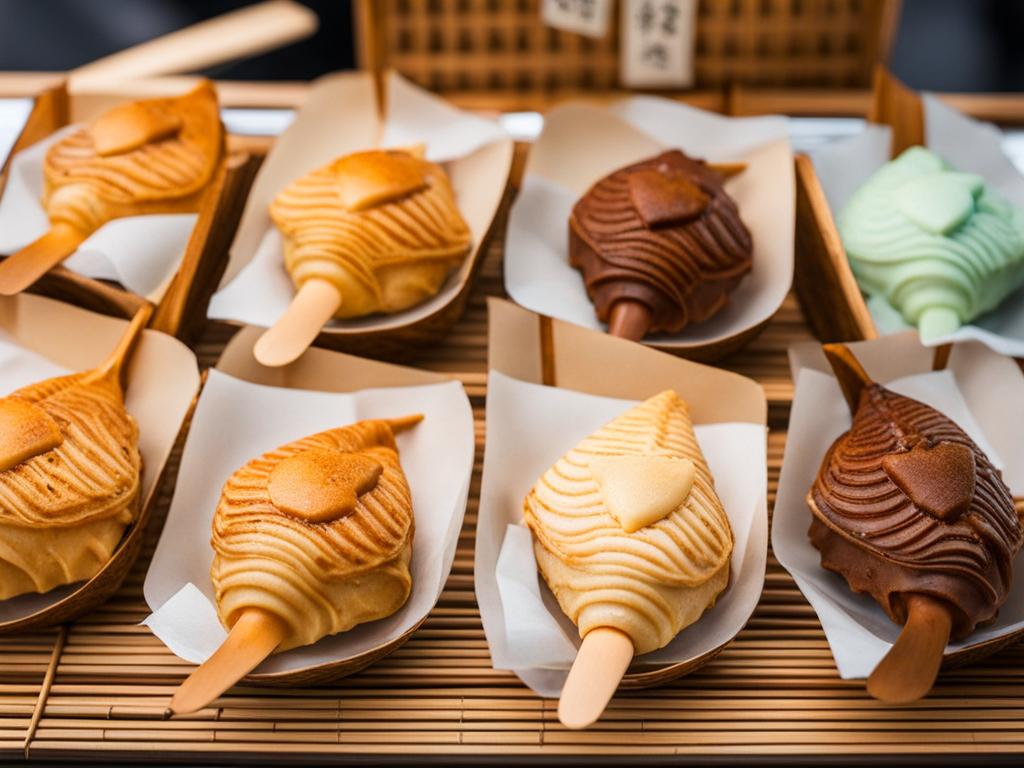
939	245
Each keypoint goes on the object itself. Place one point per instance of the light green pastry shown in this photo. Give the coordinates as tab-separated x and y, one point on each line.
939	245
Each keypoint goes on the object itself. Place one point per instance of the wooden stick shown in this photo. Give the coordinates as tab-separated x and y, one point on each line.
909	669
314	304
235	35
600	664
112	369
22	269
629	320
851	375
254	636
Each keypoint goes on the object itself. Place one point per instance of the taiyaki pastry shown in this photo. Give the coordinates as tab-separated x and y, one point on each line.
142	157
942	247
309	540
629	532
69	476
905	502
381	226
664	235
317	532
909	510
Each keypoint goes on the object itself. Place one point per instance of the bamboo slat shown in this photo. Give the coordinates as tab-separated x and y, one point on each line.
772	692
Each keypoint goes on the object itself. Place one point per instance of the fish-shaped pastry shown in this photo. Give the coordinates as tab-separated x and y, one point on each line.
941	247
908	509
69	475
664	234
629	532
142	157
317	533
906	503
381	226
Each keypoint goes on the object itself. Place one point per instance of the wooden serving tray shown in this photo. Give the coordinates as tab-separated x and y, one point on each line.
96	690
204	259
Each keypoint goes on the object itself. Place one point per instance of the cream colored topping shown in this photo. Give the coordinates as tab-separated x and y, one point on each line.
640	490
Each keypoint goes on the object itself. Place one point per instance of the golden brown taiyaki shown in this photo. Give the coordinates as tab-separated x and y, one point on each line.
381	226
143	157
628	530
69	481
317	532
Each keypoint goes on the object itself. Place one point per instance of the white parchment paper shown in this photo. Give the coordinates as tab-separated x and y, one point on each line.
980	390
529	427
968	145
142	253
261	290
581	143
236	421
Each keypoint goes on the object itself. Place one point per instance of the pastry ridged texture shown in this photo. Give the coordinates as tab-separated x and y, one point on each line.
167	174
63	511
681	271
966	562
651	583
384	257
319	578
937	280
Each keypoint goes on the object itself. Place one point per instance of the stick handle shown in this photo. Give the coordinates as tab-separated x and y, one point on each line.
602	660
314	304
112	369
629	320
20	270
254	636
909	669
849	372
231	36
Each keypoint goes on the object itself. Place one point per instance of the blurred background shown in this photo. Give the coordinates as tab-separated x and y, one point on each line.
953	45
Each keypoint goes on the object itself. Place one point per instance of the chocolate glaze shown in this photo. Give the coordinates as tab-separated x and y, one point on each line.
891	516
662	232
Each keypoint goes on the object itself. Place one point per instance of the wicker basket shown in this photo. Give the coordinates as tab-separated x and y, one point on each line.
502	46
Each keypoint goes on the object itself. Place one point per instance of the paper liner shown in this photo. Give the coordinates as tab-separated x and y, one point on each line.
529	426
582	143
339	116
245	410
980	390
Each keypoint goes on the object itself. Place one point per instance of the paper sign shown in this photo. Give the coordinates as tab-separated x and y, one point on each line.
585	17
657	43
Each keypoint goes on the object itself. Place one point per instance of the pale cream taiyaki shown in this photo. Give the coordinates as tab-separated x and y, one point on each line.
629	532
381	226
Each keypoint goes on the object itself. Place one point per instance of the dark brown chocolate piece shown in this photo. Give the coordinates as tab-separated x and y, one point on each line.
905	502
662	232
938	479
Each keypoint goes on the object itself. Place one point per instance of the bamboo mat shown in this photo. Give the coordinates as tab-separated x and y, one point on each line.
772	694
